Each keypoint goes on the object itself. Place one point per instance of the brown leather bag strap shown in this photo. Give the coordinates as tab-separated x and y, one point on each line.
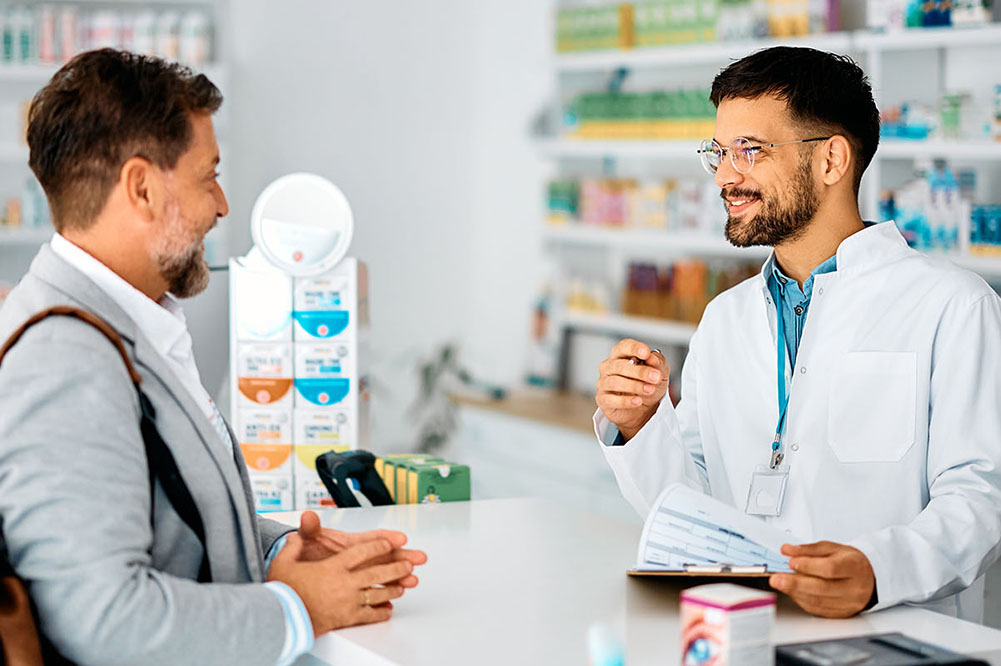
88	317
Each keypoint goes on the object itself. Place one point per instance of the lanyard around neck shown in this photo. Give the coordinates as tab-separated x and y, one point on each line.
780	354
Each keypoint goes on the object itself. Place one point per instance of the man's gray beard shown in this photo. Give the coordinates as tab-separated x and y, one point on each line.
187	274
774	225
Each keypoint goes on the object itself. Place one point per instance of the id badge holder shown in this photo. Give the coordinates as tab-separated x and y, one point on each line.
767	491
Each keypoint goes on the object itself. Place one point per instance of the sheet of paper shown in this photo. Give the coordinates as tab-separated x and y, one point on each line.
689	527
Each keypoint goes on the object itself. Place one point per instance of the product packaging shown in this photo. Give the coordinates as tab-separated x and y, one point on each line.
727	624
432	483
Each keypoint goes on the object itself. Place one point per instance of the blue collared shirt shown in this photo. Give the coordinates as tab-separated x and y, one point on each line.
793	302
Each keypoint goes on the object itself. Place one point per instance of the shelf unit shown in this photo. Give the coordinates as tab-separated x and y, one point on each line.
680	242
650	328
859	44
19	79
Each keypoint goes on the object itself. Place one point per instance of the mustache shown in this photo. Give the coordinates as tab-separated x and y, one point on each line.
740	193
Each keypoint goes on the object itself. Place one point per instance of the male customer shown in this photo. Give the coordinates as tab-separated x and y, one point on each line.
124	147
874	422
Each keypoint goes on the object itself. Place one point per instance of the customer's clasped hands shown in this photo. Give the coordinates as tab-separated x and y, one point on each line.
345	579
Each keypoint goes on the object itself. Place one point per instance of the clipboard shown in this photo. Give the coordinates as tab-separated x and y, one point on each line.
706	571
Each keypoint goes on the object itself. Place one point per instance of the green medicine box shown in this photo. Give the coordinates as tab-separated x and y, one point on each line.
433	483
401	476
386	467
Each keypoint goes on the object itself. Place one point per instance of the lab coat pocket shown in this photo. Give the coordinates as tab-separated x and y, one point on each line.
872	406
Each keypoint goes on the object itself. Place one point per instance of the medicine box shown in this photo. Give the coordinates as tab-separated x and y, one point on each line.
386	467
431	483
261	303
727	623
272	492
333	306
264	375
325	427
264	426
402	475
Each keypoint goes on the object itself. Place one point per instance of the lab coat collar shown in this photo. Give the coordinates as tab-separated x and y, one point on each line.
876	245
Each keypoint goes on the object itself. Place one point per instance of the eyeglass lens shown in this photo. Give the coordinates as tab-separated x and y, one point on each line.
741	155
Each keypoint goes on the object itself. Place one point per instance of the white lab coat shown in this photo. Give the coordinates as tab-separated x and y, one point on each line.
893	433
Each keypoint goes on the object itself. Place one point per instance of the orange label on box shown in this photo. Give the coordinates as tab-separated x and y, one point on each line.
265	457
264	390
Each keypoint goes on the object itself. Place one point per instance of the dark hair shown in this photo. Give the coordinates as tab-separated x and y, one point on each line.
824	92
101	109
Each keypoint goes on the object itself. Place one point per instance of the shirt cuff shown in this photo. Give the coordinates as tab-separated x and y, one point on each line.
298	626
612	436
274	550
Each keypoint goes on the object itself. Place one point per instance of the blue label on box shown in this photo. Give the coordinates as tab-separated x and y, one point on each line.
323	323
323	392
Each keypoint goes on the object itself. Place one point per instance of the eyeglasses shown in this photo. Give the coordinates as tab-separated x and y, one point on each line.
741	152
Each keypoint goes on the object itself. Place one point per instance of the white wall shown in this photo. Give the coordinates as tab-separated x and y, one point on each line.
419	112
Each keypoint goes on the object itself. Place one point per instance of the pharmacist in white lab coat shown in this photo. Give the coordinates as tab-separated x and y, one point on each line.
890	447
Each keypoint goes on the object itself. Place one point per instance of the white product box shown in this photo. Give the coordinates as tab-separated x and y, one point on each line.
331	306
272	492
264	426
325	427
268	459
260	301
728	624
264	375
326	360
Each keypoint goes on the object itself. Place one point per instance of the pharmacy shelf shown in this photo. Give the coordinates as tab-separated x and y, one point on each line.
688	242
914	39
24	236
691	54
722	52
624	148
645	328
952	149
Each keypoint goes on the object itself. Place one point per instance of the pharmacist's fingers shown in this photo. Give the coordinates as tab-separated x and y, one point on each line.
608	401
629	348
802	584
623	368
624	386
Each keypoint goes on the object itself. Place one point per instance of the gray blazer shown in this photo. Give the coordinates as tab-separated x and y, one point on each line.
115	584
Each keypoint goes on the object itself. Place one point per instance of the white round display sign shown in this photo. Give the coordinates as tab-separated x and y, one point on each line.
302	224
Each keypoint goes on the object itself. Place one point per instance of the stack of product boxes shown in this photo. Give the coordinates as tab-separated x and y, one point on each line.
419	478
297	346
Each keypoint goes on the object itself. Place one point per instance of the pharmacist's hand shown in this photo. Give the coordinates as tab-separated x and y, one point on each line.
345	589
831	579
322	542
628	392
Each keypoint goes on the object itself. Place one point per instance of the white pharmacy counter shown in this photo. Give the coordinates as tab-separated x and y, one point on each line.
520	581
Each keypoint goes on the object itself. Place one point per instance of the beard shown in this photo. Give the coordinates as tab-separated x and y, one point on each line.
180	256
775	223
